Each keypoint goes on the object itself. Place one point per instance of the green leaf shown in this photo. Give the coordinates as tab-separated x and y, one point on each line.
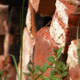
15	65
62	66
5	77
1	73
44	67
51	74
78	42
0	78
29	68
53	78
45	78
55	50
59	50
65	74
51	59
38	67
27	74
50	66
59	55
36	71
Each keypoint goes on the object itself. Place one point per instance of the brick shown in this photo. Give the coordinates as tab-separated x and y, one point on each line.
72	61
2	58
44	7
34	21
64	24
44	45
30	21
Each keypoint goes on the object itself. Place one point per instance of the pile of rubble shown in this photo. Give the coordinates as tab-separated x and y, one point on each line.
51	24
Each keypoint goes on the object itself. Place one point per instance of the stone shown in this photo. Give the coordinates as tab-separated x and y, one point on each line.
72	60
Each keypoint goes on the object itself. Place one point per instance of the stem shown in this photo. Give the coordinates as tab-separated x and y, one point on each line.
78	43
21	39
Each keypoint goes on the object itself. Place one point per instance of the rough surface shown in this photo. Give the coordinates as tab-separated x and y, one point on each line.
44	7
72	61
63	27
44	45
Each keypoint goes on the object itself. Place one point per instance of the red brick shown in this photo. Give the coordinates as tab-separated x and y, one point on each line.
44	45
64	24
44	7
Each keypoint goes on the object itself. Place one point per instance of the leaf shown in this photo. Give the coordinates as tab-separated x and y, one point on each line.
27	74
59	50
5	77
29	68
36	71
15	65
1	73
78	42
45	78
51	59
50	66
44	67
0	78
55	50
52	72
65	74
59	55
38	67
62	66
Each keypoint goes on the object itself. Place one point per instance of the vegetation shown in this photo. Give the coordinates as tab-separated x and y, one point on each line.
57	73
78	42
2	71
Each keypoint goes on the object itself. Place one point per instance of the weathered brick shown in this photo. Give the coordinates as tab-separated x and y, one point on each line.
72	61
44	7
64	24
44	45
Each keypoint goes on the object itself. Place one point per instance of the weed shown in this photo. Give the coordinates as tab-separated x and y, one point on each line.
2	71
78	43
60	68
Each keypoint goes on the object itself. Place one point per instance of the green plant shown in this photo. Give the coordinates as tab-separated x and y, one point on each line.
78	43
2	71
58	72
16	66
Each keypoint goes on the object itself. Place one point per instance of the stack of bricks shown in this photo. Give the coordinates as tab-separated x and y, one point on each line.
60	33
40	36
